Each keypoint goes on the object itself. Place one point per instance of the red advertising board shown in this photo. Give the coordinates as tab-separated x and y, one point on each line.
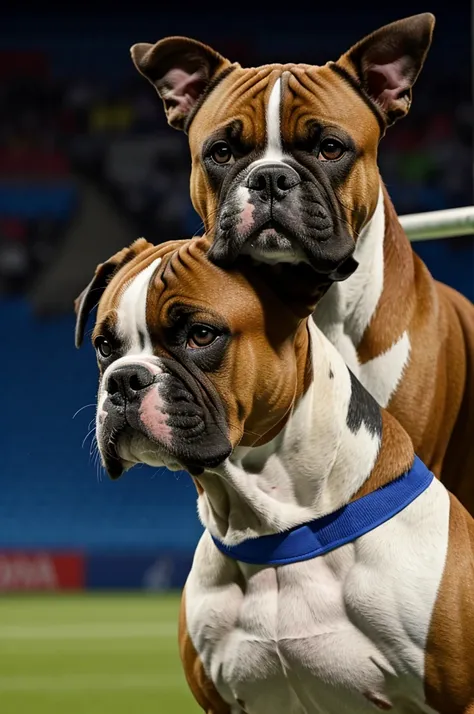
41	571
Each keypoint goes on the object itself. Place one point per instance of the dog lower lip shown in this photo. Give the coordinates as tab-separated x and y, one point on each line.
270	225
195	470
114	470
273	242
113	465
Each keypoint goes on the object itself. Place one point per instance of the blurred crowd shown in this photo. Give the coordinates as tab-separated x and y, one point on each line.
114	134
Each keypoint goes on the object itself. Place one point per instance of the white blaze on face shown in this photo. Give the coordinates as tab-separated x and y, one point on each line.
131	312
273	154
132	329
273	150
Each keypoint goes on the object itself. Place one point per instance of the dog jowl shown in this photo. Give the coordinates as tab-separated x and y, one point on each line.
185	375
284	157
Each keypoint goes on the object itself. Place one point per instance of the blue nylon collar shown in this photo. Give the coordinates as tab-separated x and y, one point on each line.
335	529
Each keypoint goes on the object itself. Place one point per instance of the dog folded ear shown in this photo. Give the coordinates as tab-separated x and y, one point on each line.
90	296
182	71
388	62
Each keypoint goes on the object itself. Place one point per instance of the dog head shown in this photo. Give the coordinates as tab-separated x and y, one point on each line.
193	359
284	157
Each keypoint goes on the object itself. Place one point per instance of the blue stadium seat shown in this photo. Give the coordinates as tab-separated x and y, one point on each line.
32	200
50	494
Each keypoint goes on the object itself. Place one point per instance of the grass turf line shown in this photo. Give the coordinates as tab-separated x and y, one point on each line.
86	654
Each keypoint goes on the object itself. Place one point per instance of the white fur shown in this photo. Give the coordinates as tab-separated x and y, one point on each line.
131	321
350	305
346	310
131	311
273	154
321	636
281	484
382	375
273	148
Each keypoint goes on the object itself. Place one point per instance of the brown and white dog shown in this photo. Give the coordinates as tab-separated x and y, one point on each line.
284	168
225	374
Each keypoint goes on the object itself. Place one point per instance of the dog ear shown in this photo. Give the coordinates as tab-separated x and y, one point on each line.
90	296
181	70
388	62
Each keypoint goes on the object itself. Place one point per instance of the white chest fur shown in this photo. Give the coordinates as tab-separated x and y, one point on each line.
345	632
348	307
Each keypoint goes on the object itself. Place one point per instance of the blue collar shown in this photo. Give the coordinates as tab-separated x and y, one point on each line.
330	532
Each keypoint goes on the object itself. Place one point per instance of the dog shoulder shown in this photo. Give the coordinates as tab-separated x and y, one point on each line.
449	682
198	681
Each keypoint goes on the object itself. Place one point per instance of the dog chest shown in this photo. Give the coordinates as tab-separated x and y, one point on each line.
293	648
285	643
343	632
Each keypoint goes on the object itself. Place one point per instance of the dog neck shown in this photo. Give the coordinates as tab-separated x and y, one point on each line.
376	301
331	449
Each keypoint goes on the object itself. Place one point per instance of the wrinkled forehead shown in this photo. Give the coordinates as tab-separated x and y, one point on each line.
139	298
122	307
134	277
288	97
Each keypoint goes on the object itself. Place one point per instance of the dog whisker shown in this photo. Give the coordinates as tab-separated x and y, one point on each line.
86	406
87	436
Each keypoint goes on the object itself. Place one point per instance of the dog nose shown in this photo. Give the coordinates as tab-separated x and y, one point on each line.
273	180
128	381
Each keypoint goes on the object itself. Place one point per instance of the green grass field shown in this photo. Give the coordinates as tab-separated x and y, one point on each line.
91	654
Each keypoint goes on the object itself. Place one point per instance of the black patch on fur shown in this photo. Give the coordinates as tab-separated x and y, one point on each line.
210	87
357	87
141	338
363	409
331	373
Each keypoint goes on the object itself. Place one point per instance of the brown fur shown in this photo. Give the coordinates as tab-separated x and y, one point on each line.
264	371
458	466
449	680
203	61
434	401
243	97
259	379
128	263
267	368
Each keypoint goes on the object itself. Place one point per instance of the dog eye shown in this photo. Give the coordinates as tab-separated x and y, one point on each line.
330	150
103	347
201	336
221	153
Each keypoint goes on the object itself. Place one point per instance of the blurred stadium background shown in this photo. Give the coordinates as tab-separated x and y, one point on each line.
87	164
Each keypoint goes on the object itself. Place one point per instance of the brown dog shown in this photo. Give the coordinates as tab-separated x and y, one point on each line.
223	373
284	168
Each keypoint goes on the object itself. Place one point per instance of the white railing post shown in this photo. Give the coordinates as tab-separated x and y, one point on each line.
439	224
